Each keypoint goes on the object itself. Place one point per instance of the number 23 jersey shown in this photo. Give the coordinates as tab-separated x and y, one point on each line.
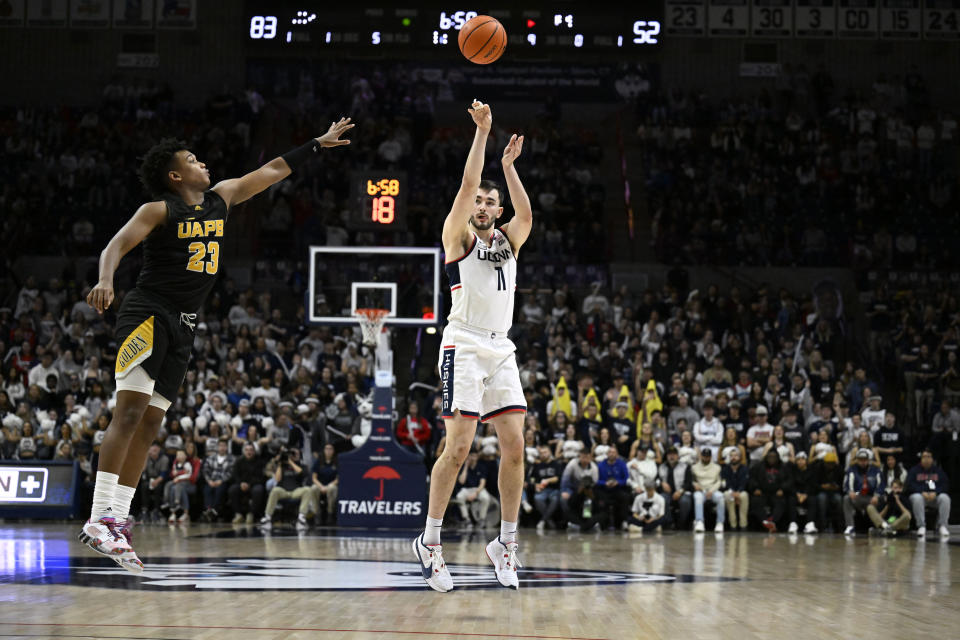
181	259
482	284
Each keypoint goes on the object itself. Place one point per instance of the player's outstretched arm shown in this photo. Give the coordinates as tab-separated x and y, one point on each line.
518	229
148	217
237	190
455	226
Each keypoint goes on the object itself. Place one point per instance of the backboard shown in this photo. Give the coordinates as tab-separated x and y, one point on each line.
405	280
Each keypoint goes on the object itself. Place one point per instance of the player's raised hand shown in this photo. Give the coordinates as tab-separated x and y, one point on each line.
512	151
481	115
101	296
332	137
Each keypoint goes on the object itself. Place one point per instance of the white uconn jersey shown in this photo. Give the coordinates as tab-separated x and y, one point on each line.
482	284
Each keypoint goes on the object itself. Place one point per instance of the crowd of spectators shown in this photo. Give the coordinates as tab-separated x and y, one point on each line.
664	407
719	403
803	174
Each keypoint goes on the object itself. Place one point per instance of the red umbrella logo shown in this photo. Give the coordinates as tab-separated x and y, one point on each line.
381	473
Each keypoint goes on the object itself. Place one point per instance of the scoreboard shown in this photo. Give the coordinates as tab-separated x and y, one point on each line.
845	19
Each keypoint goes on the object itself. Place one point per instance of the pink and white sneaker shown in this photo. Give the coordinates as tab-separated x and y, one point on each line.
106	538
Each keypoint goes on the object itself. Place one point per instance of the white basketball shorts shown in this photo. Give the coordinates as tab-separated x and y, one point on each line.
478	370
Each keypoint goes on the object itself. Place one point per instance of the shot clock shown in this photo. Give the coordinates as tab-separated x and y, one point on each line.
380	199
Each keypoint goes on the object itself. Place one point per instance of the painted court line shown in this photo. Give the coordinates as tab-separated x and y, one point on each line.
314	629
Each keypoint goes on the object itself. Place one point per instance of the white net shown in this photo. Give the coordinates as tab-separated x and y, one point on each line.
371	323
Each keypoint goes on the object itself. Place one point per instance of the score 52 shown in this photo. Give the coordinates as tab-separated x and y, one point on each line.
646	31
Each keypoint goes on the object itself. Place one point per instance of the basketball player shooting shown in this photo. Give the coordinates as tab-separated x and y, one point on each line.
181	231
478	367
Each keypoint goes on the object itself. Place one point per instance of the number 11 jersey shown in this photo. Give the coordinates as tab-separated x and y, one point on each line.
483	283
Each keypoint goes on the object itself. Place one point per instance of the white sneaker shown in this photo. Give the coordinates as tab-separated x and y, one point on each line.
810	527
793	528
104	537
718	528
635	529
944	532
432	566
698	526
541	526
302	522
173	518
505	562
848	531
266	522
527	507
184	518
922	532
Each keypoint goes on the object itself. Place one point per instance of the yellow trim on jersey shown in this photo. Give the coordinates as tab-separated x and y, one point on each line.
135	349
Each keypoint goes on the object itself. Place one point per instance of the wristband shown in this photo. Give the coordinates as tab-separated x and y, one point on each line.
301	154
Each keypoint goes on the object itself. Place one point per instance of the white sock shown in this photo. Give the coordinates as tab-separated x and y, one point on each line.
103	492
508	532
122	499
431	534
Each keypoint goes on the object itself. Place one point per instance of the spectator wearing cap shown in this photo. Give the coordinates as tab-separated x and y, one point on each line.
759	435
708	431
577	486
621	427
769	484
648	512
707	486
413	430
290	480
735	477
802	499
642	468
863	486
676	485
928	486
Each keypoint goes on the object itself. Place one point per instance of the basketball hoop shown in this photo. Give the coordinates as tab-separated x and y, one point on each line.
371	323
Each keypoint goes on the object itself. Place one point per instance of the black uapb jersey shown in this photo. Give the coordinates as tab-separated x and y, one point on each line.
181	259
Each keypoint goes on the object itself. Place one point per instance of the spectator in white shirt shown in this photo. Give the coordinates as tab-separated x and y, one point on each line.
708	431
759	435
874	417
38	374
648	510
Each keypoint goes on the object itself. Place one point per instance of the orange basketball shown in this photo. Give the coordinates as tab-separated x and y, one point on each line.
482	40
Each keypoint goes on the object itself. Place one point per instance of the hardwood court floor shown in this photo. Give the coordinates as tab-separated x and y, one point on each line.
222	582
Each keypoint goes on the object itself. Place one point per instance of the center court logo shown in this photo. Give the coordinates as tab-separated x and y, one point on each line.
298	574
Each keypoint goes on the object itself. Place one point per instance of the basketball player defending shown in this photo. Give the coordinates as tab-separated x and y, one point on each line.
477	362
182	231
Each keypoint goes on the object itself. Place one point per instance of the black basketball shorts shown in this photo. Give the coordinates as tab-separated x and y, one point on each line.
153	336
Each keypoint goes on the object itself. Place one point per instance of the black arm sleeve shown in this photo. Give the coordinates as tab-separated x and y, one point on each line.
301	154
